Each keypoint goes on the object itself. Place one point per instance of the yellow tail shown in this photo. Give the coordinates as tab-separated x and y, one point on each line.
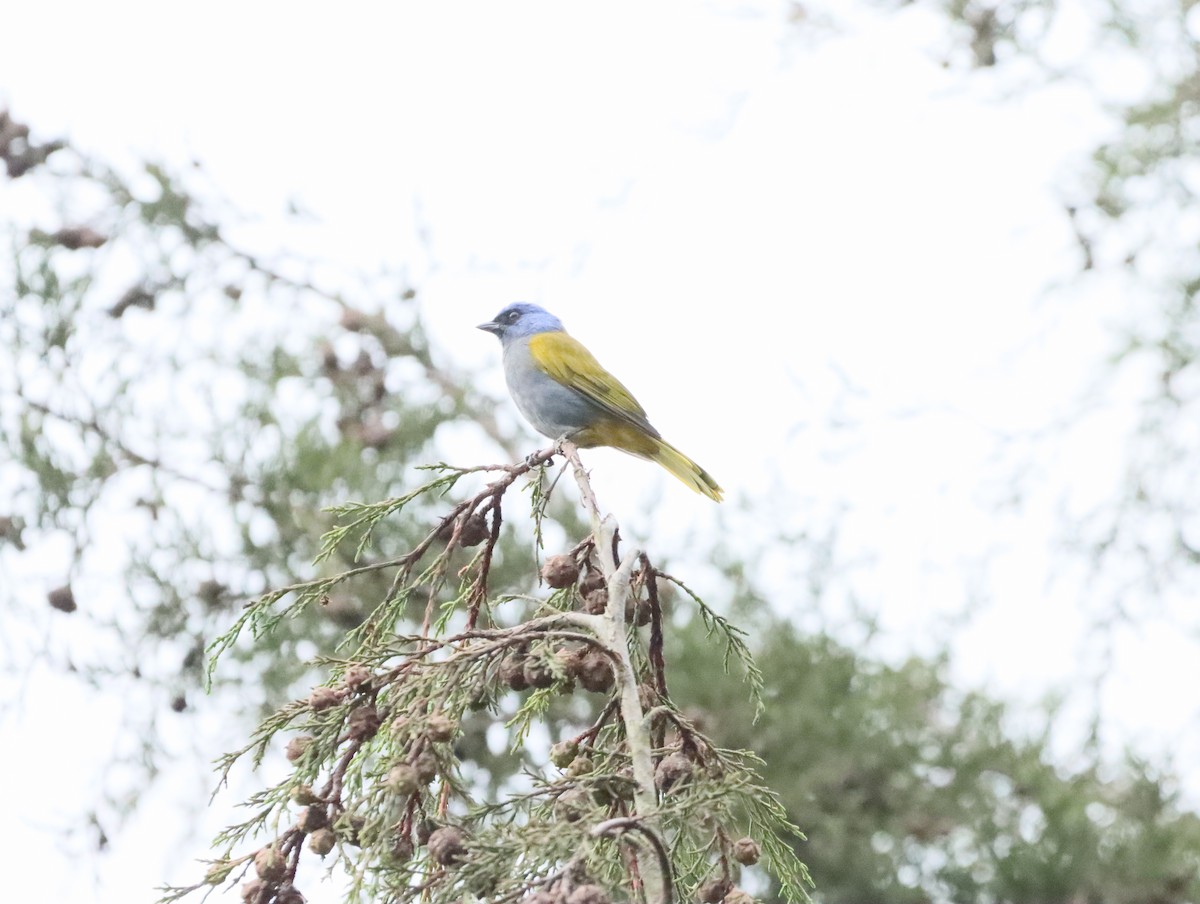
687	470
636	441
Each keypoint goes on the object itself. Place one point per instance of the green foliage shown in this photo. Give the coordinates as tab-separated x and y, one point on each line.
734	643
387	796
180	415
910	791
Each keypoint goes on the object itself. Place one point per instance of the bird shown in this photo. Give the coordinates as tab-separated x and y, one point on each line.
564	392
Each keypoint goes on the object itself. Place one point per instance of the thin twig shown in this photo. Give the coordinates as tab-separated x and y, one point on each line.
631	824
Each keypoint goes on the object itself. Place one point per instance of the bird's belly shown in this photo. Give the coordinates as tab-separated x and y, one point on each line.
552	409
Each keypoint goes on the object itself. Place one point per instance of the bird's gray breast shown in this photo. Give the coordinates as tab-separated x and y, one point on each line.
552	408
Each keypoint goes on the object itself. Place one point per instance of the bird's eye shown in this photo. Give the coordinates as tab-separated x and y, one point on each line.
511	317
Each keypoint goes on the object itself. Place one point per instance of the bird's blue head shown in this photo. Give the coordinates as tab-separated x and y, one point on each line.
520	320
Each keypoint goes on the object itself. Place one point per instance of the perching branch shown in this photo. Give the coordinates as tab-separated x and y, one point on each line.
375	761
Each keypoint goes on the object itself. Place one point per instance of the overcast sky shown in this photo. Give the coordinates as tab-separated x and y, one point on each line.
820	257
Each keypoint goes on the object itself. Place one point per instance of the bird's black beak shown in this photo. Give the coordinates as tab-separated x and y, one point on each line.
490	327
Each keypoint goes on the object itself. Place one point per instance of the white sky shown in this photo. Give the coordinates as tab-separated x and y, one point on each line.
757	225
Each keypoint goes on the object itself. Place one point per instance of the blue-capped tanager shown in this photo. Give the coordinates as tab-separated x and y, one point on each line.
565	394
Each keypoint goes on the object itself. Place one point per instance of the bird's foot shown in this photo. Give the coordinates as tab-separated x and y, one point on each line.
535	460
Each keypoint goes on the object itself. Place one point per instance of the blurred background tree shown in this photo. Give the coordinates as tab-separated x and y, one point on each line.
1132	208
1135	532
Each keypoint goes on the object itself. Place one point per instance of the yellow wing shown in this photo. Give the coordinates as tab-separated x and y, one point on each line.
565	359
